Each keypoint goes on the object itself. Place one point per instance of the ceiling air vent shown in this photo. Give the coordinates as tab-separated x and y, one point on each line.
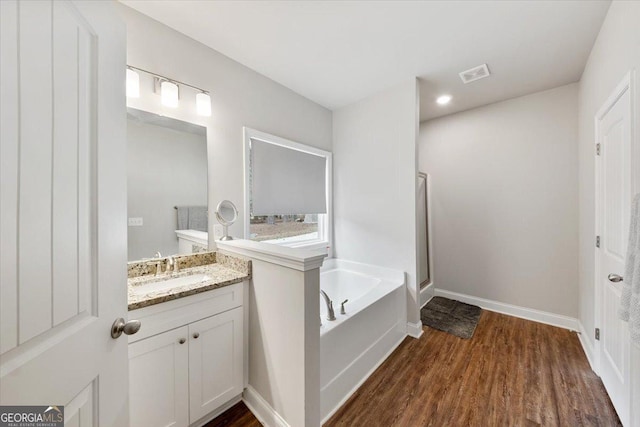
475	73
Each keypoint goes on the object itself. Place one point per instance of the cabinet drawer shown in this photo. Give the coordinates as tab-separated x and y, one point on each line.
168	315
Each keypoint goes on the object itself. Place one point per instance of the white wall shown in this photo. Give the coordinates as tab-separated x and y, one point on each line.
240	97
165	168
375	181
284	332
616	51
505	200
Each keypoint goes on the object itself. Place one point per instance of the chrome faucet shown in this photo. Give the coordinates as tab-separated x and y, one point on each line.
158	256
342	310
330	314
172	264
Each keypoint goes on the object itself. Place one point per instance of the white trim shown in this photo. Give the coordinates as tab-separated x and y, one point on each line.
552	319
626	84
297	259
587	346
426	294
261	409
414	330
325	227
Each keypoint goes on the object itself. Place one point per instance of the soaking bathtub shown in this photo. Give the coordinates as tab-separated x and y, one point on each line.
356	343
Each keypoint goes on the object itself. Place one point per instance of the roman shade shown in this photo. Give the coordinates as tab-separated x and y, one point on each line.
286	181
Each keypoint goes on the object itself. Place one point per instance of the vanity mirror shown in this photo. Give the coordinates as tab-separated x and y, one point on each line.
166	185
227	214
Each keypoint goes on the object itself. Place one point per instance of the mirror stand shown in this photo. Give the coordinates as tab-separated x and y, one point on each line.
225	233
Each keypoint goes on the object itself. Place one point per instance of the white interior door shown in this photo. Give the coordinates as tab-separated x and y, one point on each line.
614	133
63	204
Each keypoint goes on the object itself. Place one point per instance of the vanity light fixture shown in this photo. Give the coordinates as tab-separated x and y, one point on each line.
443	99
133	83
203	104
169	90
169	94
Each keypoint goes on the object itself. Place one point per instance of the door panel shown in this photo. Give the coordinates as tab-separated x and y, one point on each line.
63	208
80	412
613	207
34	210
9	154
51	151
616	182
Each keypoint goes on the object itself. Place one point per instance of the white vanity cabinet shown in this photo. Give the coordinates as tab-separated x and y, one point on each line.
159	380
187	239
187	362
215	362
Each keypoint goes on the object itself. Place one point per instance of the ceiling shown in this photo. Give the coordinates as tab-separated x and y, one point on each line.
339	52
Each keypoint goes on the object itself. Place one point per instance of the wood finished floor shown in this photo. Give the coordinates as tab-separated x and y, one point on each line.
513	372
237	416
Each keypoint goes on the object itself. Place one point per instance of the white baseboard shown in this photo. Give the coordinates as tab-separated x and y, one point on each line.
414	330
426	294
552	319
587	346
264	412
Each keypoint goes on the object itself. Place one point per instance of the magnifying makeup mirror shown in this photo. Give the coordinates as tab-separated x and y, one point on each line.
227	214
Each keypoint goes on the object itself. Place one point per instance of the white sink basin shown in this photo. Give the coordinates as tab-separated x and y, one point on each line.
178	282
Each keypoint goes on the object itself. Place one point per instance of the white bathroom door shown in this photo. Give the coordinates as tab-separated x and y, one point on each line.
614	194
63	209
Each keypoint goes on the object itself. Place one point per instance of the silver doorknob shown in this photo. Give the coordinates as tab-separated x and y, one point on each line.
615	278
120	326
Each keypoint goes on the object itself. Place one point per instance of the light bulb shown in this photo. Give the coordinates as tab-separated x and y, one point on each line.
169	94
133	84
203	104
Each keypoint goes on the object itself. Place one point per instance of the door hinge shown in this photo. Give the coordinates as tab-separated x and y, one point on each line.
598	149
597	241
598	334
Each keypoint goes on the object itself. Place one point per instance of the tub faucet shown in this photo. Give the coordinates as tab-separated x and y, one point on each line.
330	314
342	310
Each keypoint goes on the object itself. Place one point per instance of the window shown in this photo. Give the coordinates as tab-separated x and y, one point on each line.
287	191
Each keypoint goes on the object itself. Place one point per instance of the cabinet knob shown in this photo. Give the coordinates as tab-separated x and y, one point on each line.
182	341
196	335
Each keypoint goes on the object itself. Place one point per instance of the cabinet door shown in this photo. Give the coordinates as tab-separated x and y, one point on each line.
215	361
159	380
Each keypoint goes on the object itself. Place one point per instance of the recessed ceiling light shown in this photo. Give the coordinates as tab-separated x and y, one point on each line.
443	99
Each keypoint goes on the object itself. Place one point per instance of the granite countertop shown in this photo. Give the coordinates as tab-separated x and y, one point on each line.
148	289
